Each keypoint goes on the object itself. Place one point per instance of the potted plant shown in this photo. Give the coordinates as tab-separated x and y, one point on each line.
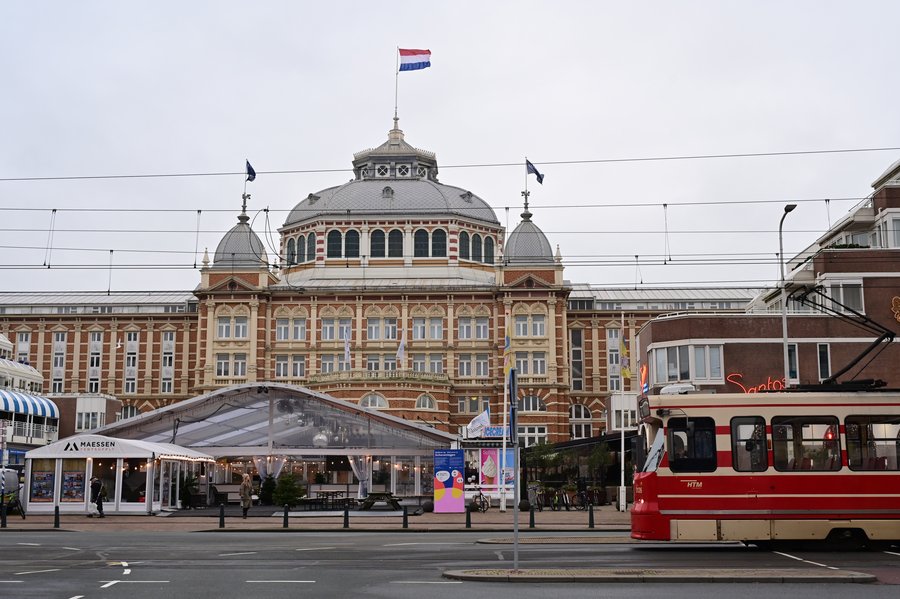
188	486
287	492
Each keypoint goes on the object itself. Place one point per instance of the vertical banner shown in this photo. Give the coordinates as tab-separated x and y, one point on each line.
449	469
513	407
490	467
509	468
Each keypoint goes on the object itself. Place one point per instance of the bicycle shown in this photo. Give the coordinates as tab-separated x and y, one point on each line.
536	497
15	504
581	500
480	502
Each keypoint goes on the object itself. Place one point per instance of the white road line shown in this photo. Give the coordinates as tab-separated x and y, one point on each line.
127	571
72	549
402	544
426	582
36	572
799	559
314	548
30	544
76	597
110	583
240	553
10	581
284	581
892	553
806	561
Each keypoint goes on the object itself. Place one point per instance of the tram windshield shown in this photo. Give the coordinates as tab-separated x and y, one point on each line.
656	452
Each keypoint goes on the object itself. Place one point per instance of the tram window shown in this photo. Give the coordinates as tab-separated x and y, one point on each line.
810	443
692	444
873	442
654	455
748	444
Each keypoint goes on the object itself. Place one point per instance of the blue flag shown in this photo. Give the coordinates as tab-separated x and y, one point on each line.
251	174
533	171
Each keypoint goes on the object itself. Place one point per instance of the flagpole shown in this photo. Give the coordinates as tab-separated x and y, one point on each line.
396	81
622	491
503	450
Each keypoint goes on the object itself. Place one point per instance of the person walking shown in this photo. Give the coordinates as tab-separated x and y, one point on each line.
97	496
246	494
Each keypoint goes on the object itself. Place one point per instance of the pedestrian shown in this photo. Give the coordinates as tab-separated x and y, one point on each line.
246	494
97	492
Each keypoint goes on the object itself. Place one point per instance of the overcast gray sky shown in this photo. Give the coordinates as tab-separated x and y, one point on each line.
97	88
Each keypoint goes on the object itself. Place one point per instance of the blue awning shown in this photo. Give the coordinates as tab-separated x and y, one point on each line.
23	403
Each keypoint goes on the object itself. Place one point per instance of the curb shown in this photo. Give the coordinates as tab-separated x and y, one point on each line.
569	575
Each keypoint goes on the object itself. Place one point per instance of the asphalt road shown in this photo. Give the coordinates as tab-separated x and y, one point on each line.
138	565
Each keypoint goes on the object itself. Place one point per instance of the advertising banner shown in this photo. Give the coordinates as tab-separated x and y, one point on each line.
449	469
494	471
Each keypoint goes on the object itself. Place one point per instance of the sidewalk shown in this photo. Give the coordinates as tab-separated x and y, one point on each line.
268	518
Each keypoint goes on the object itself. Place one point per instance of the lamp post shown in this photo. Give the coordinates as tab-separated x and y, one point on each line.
784	332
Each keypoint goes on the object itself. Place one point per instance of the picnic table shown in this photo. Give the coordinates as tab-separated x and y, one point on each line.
330	499
379	497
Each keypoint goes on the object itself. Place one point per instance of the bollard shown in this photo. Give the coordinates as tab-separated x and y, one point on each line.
405	517
2	514
531	517
590	515
346	517
221	515
285	523
56	516
468	517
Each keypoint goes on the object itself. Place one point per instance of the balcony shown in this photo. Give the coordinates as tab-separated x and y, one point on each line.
30	434
378	375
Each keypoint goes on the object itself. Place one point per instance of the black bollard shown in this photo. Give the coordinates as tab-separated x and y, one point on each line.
221	515
590	515
56	516
285	523
2	514
405	517
346	517
531	517
468	517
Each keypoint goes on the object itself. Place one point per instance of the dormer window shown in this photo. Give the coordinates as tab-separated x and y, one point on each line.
403	170
382	170
387	193
467	196
421	171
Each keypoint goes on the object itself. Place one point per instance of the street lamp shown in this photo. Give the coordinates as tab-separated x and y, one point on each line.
784	332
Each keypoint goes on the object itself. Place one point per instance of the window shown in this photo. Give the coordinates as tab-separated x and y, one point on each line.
281	366
464	365
351	244
436	328
418	362
464	328
426	402
673	364
373	362
327	329
848	294
792	363
298	366
488	250
94	385
481	328
377	244
824	361
223	327
522	325
532	435
334	243
476	248
472	404
420	244
130	386
580	422
23	346
436	363
327	363
748	444
577	359
57	385
240	365
521	363
129	412
301	249
805	443
481	365
403	170
538	328
373	400
167	360
895	232
299	329
373	329
282	329
438	243
692	444
291	252
390	362
463	246
311	246
532	403
395	244
538	363
872	442
707	362
223	365
382	170
390	328
240	327
87	420
59	360
418	329
344	329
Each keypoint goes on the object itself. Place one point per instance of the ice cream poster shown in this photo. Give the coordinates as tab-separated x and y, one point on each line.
491	467
449	472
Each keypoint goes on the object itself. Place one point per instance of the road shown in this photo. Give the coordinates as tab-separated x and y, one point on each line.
200	565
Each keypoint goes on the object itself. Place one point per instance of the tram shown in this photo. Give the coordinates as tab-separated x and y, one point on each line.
766	467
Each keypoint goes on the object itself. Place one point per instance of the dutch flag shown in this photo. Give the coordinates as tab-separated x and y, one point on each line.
413	60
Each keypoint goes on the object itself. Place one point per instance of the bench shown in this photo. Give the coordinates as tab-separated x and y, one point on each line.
373	498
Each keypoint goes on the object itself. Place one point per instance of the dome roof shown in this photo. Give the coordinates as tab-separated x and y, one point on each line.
394	178
240	247
527	244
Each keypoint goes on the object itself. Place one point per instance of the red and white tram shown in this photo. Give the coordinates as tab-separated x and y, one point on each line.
769	467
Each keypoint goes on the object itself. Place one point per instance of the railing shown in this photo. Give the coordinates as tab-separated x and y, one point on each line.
378	375
22	432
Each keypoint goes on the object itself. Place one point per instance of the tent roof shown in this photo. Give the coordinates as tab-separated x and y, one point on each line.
90	445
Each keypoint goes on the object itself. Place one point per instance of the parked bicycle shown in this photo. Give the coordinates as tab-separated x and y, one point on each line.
480	501
581	500
536	497
14	505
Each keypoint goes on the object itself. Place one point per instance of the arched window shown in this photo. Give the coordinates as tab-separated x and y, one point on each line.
129	412
476	248
420	244
426	402
533	403
373	400
395	244
376	245
334	248
351	244
311	247
580	425
290	256
301	249
463	246
438	243
488	250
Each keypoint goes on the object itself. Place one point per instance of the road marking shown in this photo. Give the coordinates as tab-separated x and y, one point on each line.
799	559
110	583
240	553
426	582
30	544
11	581
287	581
36	571
806	561
892	553
402	544
499	555
72	549
76	597
126	572
314	548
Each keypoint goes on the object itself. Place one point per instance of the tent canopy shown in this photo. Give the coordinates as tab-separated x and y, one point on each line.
98	446
24	403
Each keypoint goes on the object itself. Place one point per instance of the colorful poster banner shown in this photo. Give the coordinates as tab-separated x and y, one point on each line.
73	487
492	466
449	469
41	487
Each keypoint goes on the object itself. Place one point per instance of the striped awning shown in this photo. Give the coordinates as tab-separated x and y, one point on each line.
23	403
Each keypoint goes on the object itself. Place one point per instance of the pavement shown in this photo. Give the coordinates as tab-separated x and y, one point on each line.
575	526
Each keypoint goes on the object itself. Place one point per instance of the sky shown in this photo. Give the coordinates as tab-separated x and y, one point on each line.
612	101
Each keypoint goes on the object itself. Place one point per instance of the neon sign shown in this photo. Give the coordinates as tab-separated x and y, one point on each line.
769	384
